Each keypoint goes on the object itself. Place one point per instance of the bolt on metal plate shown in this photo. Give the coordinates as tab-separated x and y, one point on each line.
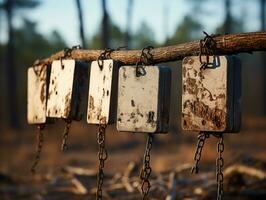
211	96
143	101
38	79
67	88
102	97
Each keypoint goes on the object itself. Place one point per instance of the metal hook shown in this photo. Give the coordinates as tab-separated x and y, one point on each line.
106	54
207	47
145	58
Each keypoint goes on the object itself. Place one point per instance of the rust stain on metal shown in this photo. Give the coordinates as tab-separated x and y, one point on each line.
191	86
43	93
102	90
66	91
204	94
142	101
91	105
36	94
185	60
150	119
124	73
215	116
67	104
132	103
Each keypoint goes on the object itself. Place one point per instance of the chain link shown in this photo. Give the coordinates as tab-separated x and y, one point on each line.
207	47
40	139
102	155
201	141
64	145
145	58
219	167
146	169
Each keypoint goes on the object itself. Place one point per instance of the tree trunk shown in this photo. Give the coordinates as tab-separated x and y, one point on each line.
105	26
228	17
263	14
165	24
10	71
129	20
2	64
81	25
263	59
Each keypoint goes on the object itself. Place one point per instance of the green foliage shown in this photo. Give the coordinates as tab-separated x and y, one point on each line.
237	27
189	29
143	37
30	44
26	4
115	36
20	4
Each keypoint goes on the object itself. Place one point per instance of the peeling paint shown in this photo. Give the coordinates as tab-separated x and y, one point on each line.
66	91
205	100
102	89
140	100
37	94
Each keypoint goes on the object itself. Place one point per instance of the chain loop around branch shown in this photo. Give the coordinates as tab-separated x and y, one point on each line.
40	139
106	54
201	141
146	58
207	47
102	156
146	169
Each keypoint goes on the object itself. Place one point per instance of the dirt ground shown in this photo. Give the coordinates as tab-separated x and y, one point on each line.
17	149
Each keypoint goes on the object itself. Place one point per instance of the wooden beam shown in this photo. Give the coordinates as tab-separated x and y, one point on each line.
225	44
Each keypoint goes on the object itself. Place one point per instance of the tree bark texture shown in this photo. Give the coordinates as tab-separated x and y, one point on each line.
225	44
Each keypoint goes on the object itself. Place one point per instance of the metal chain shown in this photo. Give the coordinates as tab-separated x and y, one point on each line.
102	155
219	167
67	53
201	141
145	58
64	145
146	169
106	54
207	47
40	139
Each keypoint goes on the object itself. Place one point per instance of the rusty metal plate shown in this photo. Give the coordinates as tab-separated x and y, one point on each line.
38	79
208	97
102	97
143	102
67	88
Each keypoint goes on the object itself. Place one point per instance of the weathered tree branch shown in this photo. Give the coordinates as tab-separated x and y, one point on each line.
226	44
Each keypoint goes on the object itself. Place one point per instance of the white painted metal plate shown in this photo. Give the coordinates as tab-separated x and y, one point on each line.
207	103
37	94
65	89
141	100
102	92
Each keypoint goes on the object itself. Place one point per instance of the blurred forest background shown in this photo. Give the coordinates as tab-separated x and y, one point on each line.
26	34
22	43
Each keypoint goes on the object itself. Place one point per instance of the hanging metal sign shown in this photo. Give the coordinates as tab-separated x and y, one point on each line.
38	79
68	82
102	97
211	96
143	100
